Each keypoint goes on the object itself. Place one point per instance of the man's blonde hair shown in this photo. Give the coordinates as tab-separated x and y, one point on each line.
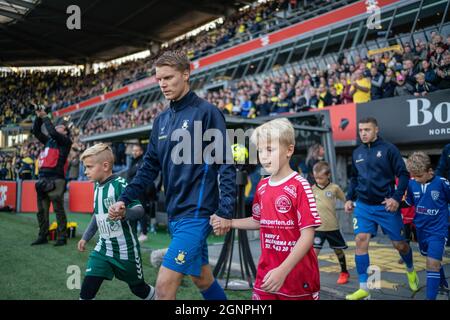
101	152
280	129
418	162
176	59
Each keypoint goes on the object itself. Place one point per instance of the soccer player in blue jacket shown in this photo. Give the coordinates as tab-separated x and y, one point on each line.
443	170
375	164
196	186
430	194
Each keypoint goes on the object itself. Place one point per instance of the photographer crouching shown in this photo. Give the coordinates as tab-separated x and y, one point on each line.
51	183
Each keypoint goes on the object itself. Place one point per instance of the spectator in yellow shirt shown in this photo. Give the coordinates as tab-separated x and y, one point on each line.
360	89
228	105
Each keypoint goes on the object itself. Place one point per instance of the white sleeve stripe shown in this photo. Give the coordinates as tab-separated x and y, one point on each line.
265	184
305	184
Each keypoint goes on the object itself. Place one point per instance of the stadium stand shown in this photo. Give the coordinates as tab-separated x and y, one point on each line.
61	89
320	56
314	71
297	88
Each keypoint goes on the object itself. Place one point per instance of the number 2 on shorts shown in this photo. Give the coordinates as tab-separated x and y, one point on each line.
355	222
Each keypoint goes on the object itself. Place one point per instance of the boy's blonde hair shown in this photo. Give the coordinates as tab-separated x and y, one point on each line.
418	162
280	129
101	152
322	167
420	75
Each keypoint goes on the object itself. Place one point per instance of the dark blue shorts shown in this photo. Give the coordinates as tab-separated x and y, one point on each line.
367	218
188	250
430	245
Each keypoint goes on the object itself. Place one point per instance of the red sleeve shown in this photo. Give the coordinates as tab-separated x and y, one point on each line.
306	206
256	207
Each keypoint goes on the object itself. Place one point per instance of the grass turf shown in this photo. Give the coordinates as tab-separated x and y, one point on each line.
40	272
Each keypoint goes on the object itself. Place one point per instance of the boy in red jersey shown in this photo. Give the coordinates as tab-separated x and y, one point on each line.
284	210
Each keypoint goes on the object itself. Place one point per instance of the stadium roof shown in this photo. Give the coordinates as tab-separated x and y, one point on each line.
34	32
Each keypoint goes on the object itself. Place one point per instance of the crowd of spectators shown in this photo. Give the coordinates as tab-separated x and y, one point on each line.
59	89
22	161
416	69
413	70
243	25
406	72
19	91
135	117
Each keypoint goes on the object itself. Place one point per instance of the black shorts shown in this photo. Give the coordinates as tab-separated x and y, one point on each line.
410	232
334	238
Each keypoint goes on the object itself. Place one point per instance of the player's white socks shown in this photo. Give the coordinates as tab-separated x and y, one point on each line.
363	285
151	294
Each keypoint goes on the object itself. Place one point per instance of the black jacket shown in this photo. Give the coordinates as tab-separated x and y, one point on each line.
135	165
150	190
53	162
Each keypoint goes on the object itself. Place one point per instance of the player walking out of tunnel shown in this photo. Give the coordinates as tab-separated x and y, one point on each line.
375	164
191	187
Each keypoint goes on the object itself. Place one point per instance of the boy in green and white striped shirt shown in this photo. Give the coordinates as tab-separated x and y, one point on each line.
117	252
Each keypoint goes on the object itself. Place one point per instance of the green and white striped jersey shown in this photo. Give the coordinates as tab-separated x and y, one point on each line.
117	239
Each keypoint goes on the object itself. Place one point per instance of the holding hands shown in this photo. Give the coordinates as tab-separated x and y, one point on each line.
82	245
348	206
220	225
41	113
391	204
117	211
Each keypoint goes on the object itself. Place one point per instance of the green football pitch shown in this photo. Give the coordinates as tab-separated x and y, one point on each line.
41	272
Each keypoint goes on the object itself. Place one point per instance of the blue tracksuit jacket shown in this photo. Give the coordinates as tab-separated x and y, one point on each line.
374	168
443	168
193	188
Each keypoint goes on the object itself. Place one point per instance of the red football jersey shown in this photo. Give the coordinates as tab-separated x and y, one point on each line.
283	209
407	213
